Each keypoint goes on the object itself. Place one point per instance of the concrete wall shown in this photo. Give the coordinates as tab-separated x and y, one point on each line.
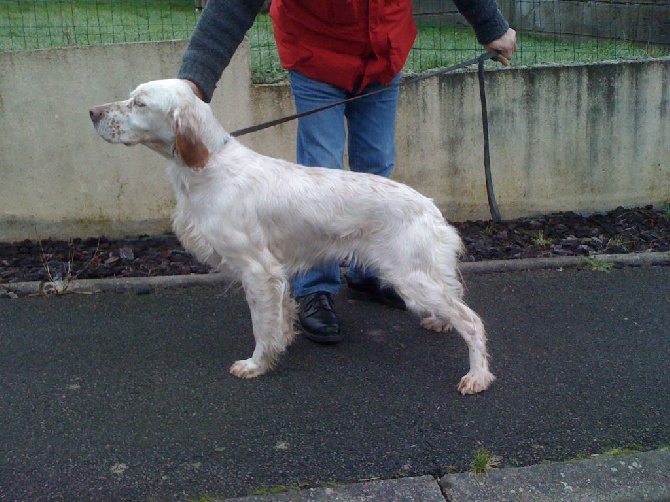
57	177
579	137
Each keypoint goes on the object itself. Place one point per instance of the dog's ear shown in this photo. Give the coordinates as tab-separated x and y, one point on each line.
188	145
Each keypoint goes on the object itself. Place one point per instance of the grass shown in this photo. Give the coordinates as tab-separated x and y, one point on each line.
276	490
613	452
484	461
541	241
597	265
43	24
440	46
617	240
617	452
666	210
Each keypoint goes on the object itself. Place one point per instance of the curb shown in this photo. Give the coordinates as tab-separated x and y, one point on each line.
411	489
621	478
631	477
628	260
139	285
143	285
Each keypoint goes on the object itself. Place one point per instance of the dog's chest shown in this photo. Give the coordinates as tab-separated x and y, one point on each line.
188	224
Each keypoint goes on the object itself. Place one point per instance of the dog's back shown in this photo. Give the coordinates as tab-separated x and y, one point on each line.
311	215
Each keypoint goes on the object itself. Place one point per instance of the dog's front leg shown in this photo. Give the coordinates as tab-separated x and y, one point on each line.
272	321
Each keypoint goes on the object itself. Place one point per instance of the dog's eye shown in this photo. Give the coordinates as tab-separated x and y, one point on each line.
139	104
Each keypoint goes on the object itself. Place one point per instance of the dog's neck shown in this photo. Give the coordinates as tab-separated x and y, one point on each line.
208	129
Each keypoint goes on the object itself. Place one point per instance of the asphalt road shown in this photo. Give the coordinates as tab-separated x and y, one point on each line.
123	396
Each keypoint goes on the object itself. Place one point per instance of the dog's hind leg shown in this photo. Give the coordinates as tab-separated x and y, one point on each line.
441	307
272	318
471	328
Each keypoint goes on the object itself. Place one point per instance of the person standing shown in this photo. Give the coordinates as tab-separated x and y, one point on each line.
333	50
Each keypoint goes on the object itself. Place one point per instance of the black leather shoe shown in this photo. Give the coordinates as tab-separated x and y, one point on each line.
370	289
317	318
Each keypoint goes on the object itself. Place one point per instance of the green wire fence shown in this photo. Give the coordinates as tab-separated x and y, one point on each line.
572	36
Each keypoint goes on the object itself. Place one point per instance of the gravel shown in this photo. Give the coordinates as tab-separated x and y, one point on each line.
624	230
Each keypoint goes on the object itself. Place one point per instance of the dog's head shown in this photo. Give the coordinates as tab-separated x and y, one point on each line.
164	115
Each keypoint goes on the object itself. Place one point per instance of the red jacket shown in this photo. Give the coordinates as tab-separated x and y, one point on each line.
346	43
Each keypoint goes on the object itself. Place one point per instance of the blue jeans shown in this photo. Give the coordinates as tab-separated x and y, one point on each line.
369	134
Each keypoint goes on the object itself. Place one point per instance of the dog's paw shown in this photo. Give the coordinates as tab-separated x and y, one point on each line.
472	383
246	368
436	324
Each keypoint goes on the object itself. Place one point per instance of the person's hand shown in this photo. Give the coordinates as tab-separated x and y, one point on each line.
505	45
194	87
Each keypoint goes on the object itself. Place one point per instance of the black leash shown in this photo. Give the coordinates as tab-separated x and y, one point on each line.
480	60
495	213
493	205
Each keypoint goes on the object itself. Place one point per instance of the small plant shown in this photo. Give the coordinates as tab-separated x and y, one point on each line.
484	461
597	265
275	490
581	455
206	498
611	452
665	210
59	282
626	450
490	230
617	241
541	240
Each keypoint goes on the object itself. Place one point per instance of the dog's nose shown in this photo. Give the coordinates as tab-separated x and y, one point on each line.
95	113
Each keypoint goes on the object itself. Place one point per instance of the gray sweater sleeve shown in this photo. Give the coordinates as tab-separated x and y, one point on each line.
219	32
484	17
223	24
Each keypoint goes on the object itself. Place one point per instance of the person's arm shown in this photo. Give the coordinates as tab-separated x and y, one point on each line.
491	28
216	37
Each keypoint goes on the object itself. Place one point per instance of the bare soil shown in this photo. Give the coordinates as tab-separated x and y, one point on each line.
636	230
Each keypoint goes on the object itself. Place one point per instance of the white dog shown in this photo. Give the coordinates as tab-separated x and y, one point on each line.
261	220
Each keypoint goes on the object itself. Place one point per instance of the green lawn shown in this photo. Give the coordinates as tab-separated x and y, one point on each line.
42	24
436	47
